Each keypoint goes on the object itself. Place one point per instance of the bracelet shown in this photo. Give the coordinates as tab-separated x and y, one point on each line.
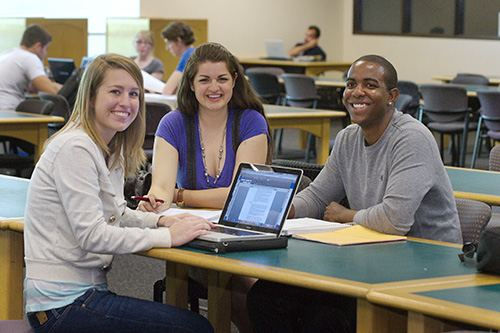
180	200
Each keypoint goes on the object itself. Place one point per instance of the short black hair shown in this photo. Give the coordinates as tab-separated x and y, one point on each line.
390	76
315	28
34	34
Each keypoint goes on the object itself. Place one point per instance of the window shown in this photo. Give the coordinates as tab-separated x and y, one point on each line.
444	18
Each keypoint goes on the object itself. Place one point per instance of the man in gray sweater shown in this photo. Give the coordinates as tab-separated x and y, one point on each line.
388	166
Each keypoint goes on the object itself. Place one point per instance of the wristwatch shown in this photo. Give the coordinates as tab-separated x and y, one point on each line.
180	200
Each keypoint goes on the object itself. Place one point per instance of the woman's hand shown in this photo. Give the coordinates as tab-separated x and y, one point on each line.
185	227
152	205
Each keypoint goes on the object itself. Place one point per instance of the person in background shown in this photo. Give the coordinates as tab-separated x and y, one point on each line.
179	39
388	166
144	44
22	70
219	124
310	45
76	216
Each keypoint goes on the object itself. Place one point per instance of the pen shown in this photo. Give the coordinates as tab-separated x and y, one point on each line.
146	199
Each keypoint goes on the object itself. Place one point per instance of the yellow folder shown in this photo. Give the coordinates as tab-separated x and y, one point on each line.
356	234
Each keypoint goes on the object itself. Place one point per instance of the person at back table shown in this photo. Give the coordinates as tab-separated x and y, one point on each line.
388	166
144	43
22	70
179	39
220	123
310	45
77	219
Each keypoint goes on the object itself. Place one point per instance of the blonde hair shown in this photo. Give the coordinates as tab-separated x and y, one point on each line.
147	35
125	148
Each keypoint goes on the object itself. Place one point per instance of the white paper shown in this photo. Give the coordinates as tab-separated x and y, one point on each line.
211	215
170	100
151	83
308	225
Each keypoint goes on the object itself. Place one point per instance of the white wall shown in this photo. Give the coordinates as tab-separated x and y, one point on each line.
242	26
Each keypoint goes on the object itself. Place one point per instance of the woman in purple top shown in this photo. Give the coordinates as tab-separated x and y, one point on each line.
220	123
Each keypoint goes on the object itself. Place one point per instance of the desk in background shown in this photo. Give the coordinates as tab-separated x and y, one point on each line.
170	100
494	80
27	126
480	185
314	121
312	68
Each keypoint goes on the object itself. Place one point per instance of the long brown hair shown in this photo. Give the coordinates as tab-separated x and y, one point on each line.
243	97
126	147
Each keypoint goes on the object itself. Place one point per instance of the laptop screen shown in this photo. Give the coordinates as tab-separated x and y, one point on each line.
260	197
61	68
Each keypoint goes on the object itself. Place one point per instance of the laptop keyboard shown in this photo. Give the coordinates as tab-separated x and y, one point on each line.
230	231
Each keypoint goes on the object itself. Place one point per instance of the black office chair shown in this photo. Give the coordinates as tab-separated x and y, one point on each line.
301	91
403	103
474	216
60	109
410	88
448	113
267	86
154	113
18	154
490	118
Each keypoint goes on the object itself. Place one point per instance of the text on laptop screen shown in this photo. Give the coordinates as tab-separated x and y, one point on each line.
260	198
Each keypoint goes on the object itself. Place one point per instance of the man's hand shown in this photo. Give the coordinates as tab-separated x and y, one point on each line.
335	212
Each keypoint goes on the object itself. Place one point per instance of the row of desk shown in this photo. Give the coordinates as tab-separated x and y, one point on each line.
413	286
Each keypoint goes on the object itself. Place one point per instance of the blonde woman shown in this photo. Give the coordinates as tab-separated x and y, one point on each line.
76	216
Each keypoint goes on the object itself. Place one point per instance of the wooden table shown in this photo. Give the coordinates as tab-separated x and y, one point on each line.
351	270
312	68
28	127
314	121
480	185
472	299
354	271
13	192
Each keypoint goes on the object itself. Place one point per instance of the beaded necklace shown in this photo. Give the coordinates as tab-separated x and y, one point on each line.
203	155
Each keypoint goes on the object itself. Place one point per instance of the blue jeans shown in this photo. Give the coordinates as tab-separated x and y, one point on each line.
104	311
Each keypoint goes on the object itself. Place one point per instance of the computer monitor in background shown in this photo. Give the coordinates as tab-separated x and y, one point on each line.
61	68
85	61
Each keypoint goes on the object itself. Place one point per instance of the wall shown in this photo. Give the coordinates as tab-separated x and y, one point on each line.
242	25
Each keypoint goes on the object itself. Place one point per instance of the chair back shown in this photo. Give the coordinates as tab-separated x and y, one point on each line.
61	109
311	170
474	79
444	103
300	90
403	103
490	108
154	113
277	71
494	160
410	88
266	85
34	105
474	216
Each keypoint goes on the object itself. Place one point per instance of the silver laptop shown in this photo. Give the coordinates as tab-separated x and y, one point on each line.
276	50
258	203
